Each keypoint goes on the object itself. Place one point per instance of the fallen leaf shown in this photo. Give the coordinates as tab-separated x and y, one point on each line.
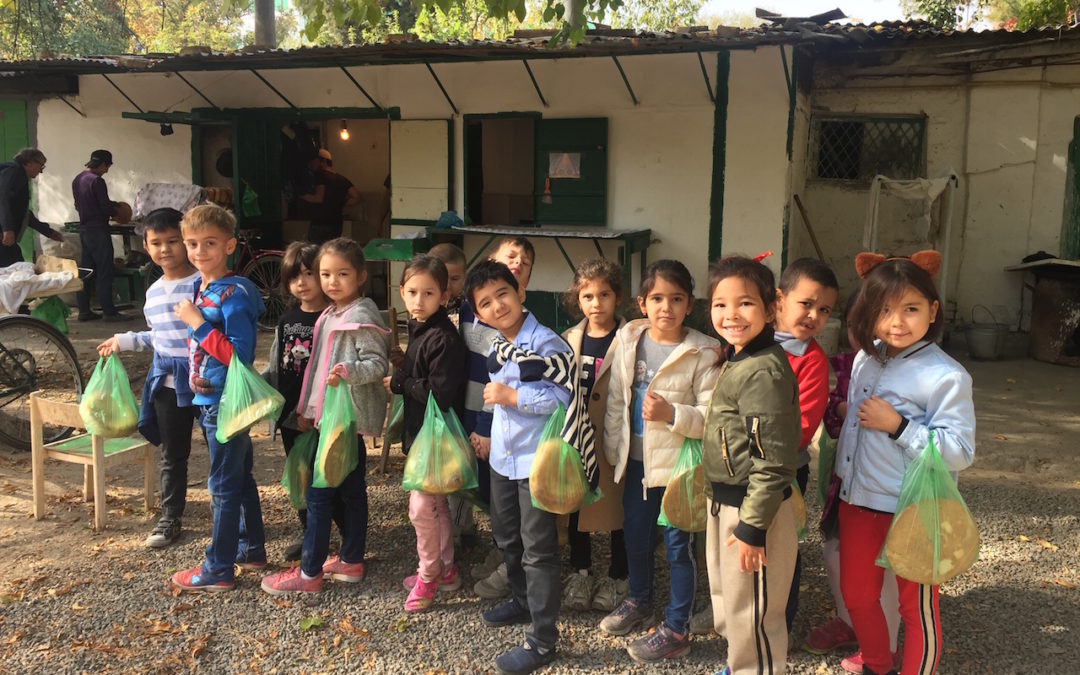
198	645
9	598
401	624
1065	583
76	607
1046	544
1009	380
337	641
999	437
1024	538
309	622
181	607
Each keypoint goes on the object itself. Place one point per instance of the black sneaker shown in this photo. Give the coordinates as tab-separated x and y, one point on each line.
166	532
523	659
507	614
295	550
117	317
89	316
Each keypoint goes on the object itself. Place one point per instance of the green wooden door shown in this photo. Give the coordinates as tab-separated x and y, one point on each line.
571	171
14	136
257	169
1070	226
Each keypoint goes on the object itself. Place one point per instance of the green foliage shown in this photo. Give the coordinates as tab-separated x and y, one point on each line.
947	14
28	29
170	25
655	15
1025	14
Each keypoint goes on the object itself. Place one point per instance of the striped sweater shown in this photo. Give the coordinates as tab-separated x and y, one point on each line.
168	335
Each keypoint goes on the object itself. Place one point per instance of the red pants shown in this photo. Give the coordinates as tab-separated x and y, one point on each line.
862	534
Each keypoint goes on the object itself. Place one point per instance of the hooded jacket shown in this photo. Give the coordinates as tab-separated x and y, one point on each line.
230	306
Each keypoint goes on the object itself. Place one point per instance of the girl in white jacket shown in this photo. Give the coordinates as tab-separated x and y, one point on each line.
903	386
662	375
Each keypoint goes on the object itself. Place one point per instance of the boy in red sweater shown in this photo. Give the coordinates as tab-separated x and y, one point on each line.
808	292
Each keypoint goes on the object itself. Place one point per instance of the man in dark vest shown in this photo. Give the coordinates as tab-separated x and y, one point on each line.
95	208
333	194
15	214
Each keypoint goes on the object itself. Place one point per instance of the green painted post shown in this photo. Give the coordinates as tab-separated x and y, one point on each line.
716	203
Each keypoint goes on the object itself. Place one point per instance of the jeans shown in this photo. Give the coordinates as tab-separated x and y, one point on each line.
529	539
175	425
234	501
321	504
639	531
97	254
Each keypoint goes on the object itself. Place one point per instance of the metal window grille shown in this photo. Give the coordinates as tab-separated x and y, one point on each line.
859	148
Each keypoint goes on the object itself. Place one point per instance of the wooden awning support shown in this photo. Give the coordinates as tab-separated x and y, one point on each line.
441	88
273	89
625	81
536	86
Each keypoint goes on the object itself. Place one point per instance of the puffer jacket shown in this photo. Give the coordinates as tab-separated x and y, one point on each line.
932	392
750	448
685	380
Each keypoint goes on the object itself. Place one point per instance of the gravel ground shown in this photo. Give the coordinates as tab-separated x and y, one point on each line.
72	600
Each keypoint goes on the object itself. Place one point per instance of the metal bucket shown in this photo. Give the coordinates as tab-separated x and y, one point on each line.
985	340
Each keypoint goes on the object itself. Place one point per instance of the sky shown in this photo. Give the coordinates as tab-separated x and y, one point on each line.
864	11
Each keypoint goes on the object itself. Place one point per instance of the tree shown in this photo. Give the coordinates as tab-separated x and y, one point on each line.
28	29
947	14
655	15
1025	14
168	25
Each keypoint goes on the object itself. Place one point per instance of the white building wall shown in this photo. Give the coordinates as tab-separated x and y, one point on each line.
659	151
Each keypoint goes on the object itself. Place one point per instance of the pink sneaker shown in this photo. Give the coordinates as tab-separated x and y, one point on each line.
449	581
338	569
854	663
291	581
824	639
194	581
421	596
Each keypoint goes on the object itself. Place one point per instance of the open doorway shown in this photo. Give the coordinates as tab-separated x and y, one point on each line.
499	170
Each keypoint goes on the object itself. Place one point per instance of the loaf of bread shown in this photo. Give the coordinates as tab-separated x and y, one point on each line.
686	510
247	417
557	480
105	417
123	213
909	547
335	463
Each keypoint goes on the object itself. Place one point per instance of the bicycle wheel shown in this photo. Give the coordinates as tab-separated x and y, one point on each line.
265	273
33	356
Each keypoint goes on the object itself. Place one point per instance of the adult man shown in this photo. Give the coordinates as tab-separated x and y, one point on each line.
94	207
333	194
15	213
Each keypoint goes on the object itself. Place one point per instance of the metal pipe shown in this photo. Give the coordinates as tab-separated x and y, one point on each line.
625	81
357	84
535	85
196	90
273	88
122	93
442	88
265	34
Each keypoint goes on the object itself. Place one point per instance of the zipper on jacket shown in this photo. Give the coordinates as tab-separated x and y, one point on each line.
724	452
755	430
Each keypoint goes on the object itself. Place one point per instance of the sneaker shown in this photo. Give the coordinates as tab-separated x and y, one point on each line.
194	581
116	317
495	586
89	316
832	635
854	663
702	622
661	643
578	592
251	560
164	533
509	613
608	593
295	550
449	581
291	581
340	570
625	618
491	562
421	596
523	659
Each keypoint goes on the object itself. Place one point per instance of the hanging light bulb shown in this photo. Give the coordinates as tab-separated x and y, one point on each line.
344	130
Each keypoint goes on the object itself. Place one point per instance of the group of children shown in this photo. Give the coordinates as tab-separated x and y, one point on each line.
755	398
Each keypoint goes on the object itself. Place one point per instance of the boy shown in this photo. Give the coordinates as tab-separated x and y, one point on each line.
454	260
166	415
518	254
221	322
522	403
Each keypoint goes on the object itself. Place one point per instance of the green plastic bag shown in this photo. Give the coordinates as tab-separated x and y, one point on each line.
108	407
557	482
298	468
338	454
246	400
441	461
396	421
798	508
933	537
52	311
249	201
683	506
826	463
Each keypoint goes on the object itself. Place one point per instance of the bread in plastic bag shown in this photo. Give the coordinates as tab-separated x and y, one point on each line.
441	461
338	454
108	406
299	468
246	400
684	504
557	481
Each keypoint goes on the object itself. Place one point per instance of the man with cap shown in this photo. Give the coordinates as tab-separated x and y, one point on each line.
15	214
333	194
94	207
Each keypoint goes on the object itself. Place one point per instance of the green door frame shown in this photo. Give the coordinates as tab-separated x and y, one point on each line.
716	202
1070	222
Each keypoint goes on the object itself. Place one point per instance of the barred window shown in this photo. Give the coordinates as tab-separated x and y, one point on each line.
850	148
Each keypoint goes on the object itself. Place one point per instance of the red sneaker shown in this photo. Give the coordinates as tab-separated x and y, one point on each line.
824	639
421	596
291	581
194	581
854	663
449	581
338	569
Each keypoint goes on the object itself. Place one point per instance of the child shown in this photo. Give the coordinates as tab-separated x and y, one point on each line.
903	386
750	454
523	402
350	346
166	415
518	254
434	364
596	293
454	259
661	376
221	322
292	346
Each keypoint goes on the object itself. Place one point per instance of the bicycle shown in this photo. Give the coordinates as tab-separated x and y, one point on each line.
261	266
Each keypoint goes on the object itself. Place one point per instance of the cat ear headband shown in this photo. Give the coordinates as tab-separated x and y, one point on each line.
929	261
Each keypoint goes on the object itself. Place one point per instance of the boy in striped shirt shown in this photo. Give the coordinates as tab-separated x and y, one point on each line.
166	415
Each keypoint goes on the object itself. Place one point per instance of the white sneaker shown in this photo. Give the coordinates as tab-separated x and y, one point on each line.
577	595
608	593
483	570
495	586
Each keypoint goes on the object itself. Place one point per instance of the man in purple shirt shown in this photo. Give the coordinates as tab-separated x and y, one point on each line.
94	207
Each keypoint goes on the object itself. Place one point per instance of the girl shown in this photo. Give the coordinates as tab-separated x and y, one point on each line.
902	387
351	346
661	376
596	293
434	363
292	346
750	452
